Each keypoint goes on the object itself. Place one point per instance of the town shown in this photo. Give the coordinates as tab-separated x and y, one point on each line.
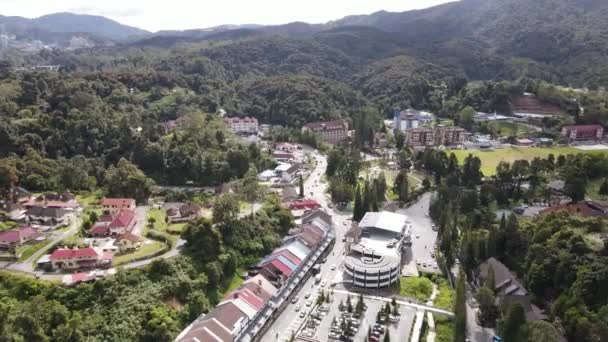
301	171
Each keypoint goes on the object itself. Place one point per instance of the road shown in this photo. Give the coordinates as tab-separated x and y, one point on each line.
423	236
289	319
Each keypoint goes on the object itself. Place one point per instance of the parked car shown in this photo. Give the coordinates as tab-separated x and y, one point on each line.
297	308
333	267
294	300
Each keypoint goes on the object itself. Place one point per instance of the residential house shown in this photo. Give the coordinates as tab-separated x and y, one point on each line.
524	142
507	287
282	157
242	125
181	212
304	204
47	216
17	195
329	131
111	206
12	211
65	201
111	225
289	194
584	209
128	241
290	174
450	136
583	132
79	258
285	147
16	237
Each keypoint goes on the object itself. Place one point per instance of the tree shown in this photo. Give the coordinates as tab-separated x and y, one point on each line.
485	298
604	188
380	186
511	327
8	175
399	140
387	337
126	180
460	310
465	118
358	206
301	182
226	211
401	187
249	187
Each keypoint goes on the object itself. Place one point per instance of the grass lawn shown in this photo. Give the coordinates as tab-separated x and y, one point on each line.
508	128
490	159
90	198
445	298
235	281
444	329
416	287
8	225
28	250
593	189
150	247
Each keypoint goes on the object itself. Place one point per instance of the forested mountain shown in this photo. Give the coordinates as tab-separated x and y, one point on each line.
47	27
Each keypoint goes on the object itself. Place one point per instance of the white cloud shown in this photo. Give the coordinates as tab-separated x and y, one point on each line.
185	14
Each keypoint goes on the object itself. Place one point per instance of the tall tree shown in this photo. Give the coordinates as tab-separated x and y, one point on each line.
249	187
604	188
301	182
485	298
126	180
460	310
511	327
358	206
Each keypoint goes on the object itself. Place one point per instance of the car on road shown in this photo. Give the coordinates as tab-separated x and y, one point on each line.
302	313
418	262
333	267
323	283
294	300
417	236
297	308
307	295
344	223
309	302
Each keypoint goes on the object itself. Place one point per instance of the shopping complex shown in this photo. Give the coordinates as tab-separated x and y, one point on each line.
374	249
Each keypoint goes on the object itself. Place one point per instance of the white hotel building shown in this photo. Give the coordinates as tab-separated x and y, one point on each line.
242	125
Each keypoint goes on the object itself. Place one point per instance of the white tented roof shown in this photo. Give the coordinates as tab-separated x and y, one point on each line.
384	220
282	167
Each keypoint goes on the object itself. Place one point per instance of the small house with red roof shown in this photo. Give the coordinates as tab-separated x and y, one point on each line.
121	223
111	206
80	258
304	204
17	237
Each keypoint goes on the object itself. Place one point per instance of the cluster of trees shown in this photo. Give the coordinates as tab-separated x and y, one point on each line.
343	166
369	197
551	253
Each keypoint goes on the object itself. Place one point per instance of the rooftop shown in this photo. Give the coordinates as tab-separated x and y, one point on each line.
384	220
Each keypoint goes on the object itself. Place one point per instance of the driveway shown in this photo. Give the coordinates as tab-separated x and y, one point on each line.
140	214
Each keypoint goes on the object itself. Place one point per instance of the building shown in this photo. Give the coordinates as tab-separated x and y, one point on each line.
304	204
419	137
507	287
47	216
79	258
111	206
181	212
17	237
374	249
266	175
404	120
128	242
450	136
12	211
584	209
329	131
242	314
282	157
118	224
525	142
242	125
583	132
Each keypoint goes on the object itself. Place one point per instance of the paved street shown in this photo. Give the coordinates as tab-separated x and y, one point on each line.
423	236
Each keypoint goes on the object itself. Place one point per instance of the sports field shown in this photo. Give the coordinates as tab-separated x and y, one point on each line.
490	159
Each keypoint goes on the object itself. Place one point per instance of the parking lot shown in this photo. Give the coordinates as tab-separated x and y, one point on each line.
328	323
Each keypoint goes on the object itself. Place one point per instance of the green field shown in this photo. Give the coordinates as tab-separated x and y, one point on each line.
511	128
147	249
416	287
490	159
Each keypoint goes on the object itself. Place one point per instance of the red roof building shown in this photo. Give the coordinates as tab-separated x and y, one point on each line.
583	132
17	237
304	204
110	206
584	209
71	259
278	265
121	223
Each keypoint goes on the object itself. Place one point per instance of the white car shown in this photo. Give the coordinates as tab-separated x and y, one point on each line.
323	283
309	302
307	295
302	313
297	308
333	267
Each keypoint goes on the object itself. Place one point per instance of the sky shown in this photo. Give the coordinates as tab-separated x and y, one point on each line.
154	15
